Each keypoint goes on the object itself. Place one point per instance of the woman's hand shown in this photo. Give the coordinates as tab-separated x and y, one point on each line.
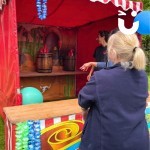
88	77
86	66
84	113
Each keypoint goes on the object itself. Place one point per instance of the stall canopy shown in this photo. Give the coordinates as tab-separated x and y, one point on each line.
72	13
61	13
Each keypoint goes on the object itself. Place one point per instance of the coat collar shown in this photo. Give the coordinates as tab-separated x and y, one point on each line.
114	66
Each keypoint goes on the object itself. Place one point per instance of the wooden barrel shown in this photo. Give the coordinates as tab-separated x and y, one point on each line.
44	62
69	63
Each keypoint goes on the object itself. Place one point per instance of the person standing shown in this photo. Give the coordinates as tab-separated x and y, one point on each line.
105	63
114	100
100	53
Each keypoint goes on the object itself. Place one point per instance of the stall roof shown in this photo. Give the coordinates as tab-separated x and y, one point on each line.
72	13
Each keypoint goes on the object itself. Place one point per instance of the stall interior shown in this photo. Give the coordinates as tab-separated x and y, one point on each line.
51	51
47	60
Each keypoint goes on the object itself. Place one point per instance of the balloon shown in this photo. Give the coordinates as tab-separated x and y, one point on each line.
144	22
31	95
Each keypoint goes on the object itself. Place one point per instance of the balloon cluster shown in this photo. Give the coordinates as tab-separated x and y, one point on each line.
28	135
41	6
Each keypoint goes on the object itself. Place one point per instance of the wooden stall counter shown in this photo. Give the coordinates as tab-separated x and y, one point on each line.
46	110
60	124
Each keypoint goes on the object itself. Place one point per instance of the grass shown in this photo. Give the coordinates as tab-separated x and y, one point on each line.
2	139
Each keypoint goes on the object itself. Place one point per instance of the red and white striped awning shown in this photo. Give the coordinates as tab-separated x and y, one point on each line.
125	4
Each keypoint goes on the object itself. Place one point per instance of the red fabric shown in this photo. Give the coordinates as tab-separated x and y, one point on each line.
71	13
65	13
9	71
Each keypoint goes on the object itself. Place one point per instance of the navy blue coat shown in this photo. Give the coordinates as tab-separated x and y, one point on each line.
116	119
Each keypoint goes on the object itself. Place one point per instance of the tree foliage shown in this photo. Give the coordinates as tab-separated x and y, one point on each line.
146	38
146	4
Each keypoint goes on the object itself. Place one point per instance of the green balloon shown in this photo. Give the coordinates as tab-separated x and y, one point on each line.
31	95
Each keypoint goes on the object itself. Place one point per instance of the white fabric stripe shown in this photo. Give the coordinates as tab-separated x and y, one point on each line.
57	120
42	124
72	117
8	133
131	4
10	136
102	1
116	3
124	4
138	6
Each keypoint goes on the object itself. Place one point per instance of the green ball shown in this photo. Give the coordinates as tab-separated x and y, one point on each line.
31	95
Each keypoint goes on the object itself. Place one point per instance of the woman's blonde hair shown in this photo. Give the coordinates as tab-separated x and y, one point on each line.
127	50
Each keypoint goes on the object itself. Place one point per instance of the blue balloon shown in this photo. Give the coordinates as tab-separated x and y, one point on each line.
31	95
144	22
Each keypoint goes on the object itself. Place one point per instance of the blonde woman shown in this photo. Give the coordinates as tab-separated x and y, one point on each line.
115	99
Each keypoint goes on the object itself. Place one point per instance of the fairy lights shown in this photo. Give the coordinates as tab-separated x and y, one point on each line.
41	6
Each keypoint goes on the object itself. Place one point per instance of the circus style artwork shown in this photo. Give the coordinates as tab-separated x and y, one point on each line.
61	133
